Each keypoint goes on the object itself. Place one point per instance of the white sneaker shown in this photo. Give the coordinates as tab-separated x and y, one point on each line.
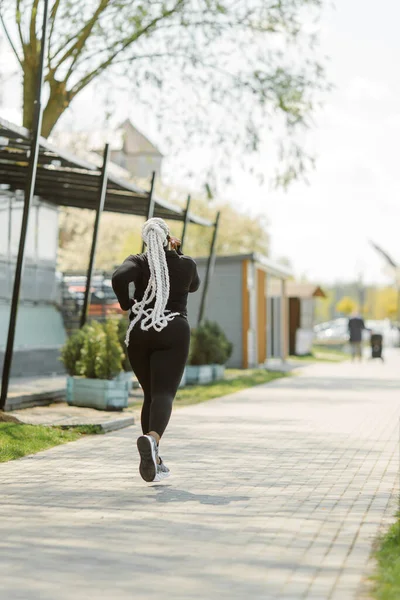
162	470
148	451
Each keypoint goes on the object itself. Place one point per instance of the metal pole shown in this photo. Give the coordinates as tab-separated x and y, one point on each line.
102	197
283	324
186	222
29	193
150	209
103	302
209	271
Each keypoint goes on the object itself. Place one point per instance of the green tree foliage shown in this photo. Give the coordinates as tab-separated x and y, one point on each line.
75	238
379	302
382	303
187	59
346	305
94	339
122	329
94	351
120	235
239	233
71	352
323	306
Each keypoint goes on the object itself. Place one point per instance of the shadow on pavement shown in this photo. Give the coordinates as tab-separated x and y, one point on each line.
169	494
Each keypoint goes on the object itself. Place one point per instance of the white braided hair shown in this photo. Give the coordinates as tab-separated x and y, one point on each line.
155	234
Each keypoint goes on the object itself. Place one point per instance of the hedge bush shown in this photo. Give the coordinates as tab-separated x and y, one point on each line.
209	345
94	351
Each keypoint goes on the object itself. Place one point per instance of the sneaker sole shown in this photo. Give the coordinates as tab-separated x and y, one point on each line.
147	467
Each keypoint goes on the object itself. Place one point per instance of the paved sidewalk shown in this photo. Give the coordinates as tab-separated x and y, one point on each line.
277	492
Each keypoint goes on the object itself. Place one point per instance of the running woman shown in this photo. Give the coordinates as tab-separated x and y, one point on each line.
159	334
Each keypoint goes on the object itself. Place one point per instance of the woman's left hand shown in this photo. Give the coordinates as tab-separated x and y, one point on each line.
175	242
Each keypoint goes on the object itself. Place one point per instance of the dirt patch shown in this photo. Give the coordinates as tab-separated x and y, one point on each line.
7	418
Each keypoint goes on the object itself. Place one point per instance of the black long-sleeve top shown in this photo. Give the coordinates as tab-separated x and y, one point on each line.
183	276
356	328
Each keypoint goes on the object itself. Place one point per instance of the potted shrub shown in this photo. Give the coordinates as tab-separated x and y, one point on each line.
93	380
209	351
126	374
70	355
199	369
220	350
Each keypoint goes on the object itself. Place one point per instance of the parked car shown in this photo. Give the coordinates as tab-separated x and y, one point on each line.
333	333
103	301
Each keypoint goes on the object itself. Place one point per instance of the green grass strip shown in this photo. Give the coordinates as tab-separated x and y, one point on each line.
319	354
235	381
387	577
17	440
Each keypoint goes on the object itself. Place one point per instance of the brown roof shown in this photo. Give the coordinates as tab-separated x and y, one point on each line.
297	290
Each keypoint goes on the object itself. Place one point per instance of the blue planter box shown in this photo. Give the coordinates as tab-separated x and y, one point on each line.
199	374
218	372
70	389
127	378
102	394
183	380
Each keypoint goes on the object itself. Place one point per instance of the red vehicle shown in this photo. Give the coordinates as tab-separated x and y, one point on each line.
103	301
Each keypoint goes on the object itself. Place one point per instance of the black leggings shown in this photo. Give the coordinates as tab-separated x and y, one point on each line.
158	360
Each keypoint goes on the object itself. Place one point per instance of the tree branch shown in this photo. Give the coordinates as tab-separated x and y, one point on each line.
82	37
13	48
18	21
65	44
53	15
125	44
32	28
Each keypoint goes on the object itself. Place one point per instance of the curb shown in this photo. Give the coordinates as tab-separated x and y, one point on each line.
105	427
36	399
117	424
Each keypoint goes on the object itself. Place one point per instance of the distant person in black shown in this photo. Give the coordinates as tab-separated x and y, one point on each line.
159	333
356	328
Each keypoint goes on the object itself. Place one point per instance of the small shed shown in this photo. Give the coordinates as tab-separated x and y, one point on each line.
301	307
238	300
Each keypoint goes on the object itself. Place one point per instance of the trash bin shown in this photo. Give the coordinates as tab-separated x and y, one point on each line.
376	345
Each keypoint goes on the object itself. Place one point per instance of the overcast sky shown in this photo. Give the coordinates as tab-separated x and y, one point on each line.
354	193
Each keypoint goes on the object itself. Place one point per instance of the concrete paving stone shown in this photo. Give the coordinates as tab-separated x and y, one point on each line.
62	415
276	492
